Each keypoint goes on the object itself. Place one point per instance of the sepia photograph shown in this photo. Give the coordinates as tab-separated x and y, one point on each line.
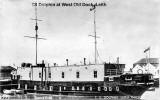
79	49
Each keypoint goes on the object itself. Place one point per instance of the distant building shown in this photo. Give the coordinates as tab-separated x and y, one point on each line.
5	72
147	65
7	79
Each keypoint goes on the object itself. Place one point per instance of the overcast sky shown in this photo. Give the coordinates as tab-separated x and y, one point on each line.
126	28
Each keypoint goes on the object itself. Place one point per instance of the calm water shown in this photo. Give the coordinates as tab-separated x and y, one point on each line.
151	95
148	95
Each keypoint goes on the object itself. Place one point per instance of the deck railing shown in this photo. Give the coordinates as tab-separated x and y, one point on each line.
113	72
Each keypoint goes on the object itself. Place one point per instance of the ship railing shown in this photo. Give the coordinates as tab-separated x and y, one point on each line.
113	72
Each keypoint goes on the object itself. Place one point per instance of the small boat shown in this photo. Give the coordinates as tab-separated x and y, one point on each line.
9	92
7	80
13	91
19	91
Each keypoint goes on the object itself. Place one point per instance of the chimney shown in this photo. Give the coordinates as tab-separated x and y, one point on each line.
67	61
84	61
117	60
54	64
42	61
42	65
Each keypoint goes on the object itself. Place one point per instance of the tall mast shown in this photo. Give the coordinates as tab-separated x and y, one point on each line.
36	29
36	35
95	34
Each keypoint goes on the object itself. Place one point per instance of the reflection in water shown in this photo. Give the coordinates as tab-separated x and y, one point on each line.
148	95
151	95
57	97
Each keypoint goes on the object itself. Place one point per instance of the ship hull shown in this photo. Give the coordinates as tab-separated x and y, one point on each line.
8	84
117	90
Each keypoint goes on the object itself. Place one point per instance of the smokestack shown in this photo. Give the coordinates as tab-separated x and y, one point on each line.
67	61
42	65
54	64
42	61
84	61
117	60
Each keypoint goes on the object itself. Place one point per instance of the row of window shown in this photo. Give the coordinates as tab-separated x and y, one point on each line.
63	74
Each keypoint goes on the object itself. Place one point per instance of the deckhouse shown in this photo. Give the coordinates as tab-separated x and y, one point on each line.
68	75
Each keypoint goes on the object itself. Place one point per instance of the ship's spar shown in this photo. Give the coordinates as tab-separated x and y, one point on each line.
95	33
36	38
36	29
98	86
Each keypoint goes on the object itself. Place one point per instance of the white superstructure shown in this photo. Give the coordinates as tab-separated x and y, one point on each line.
63	73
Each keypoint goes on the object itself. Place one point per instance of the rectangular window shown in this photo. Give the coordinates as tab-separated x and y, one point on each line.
111	78
49	75
40	75
62	74
95	74
77	74
29	74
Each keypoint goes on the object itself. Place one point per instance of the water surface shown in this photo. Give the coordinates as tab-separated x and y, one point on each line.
148	95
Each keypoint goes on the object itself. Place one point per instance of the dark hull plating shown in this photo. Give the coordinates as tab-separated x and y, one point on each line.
8	85
117	90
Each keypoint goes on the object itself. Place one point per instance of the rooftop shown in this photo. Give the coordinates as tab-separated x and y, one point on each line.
144	61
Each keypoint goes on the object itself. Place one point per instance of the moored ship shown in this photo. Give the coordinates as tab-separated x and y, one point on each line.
148	65
107	79
83	80
7	80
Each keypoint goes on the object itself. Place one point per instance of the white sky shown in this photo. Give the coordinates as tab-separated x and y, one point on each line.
126	28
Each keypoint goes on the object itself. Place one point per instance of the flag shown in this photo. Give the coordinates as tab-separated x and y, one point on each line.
147	49
93	7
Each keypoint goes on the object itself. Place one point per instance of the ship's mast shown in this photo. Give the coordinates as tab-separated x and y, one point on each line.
95	34
36	29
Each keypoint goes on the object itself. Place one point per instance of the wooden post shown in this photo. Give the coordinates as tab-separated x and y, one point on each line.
99	88
72	87
90	88
83	88
25	86
60	89
77	87
50	88
19	86
35	87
